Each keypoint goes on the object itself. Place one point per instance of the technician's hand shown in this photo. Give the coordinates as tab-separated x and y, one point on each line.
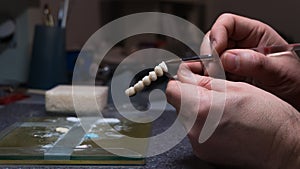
257	130
233	35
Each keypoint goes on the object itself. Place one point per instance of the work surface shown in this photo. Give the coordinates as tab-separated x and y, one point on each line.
180	156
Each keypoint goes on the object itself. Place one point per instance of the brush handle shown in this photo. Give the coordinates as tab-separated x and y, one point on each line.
276	49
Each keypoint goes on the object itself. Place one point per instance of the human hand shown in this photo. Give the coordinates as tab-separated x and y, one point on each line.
257	130
233	35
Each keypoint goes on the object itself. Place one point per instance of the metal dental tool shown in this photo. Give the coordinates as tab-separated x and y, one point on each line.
277	48
266	50
190	59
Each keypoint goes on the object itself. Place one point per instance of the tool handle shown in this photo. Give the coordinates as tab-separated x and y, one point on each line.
190	58
276	49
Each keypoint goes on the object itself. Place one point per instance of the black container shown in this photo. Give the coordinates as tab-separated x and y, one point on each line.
48	63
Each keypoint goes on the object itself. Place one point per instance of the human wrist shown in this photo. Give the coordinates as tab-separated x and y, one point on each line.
289	148
293	156
294	161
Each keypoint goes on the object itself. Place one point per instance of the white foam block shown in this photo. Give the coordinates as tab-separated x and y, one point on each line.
88	98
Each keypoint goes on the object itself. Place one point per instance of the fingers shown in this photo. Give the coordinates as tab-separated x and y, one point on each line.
173	94
236	31
186	75
229	26
187	97
196	106
205	47
195	67
243	62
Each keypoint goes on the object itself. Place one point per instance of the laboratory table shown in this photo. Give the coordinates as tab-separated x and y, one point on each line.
180	156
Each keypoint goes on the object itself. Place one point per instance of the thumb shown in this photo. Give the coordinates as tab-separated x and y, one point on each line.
245	62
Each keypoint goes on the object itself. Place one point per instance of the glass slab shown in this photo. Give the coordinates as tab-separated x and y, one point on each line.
61	140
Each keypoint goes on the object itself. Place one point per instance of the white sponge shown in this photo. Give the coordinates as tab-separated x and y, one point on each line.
88	98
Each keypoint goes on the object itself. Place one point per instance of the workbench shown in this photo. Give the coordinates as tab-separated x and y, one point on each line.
180	156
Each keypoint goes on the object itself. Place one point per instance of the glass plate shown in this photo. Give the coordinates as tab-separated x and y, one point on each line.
62	140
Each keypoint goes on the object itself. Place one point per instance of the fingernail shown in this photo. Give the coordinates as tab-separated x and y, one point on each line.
231	61
213	44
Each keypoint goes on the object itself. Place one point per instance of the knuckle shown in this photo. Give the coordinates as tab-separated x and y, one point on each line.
171	91
259	62
205	82
226	15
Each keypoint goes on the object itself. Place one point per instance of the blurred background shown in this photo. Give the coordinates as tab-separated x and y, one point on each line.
22	43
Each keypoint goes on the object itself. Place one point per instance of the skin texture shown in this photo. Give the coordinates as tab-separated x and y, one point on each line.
232	36
260	127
